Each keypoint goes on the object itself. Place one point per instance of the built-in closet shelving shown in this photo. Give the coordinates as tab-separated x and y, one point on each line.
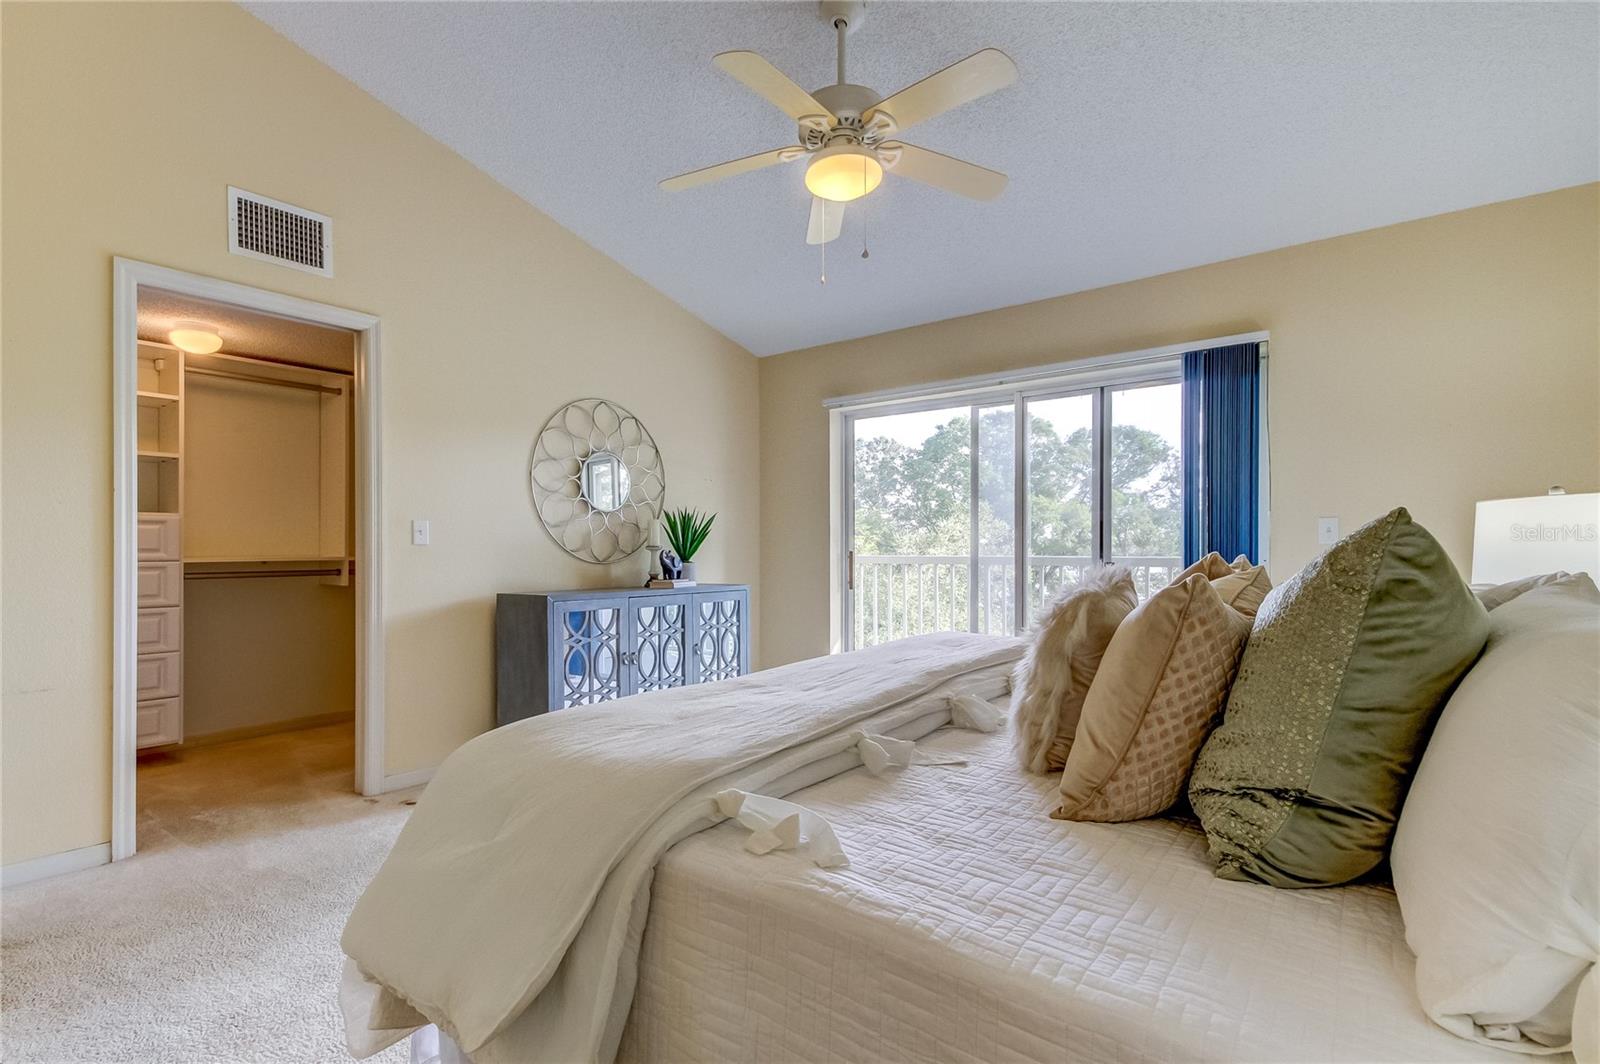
159	624
244	472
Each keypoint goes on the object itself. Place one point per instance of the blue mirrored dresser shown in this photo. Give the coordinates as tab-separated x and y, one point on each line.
559	649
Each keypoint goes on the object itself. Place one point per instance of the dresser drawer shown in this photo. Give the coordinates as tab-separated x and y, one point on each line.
157	676
159	631
157	537
160	583
159	722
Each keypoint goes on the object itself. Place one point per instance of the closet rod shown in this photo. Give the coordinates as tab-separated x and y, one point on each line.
251	574
263	380
271	360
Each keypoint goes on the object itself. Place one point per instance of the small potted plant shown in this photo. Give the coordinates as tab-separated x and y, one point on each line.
686	531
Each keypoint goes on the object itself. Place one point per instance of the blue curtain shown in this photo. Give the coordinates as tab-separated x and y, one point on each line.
1222	452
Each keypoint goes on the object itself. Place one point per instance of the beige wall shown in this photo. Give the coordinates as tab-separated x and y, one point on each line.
1429	364
123	124
261	652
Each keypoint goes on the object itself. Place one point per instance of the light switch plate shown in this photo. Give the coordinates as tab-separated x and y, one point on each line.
419	533
1327	531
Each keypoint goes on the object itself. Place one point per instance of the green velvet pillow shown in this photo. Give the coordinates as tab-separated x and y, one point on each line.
1346	667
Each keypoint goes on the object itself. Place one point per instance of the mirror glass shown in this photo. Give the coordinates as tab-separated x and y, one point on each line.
605	481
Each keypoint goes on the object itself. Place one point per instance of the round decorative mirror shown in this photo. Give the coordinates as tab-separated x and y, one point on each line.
598	480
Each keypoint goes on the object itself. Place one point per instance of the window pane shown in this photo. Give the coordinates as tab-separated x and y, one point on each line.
1146	495
1060	494
997	519
912	524
934	526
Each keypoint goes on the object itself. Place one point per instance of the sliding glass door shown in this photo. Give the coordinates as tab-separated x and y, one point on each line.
995	521
968	516
1145	493
915	522
1062	500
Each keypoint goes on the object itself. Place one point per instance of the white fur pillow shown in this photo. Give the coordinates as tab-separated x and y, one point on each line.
1069	637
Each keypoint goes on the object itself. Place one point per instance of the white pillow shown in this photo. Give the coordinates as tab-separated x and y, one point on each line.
1586	1021
1496	858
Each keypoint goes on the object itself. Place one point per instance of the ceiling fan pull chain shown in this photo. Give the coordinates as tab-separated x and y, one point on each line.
823	278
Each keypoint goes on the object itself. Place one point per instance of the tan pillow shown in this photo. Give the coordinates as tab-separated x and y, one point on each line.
1211	567
1050	681
1159	691
1238	583
1495	595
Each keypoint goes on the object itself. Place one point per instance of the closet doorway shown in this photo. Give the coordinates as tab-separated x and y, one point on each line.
247	581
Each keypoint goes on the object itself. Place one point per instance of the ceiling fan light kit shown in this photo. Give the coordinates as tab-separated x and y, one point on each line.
843	172
845	129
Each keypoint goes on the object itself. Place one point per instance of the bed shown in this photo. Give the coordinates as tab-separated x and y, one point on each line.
968	925
971	927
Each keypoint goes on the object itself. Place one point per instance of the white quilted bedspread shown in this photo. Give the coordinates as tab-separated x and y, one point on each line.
971	927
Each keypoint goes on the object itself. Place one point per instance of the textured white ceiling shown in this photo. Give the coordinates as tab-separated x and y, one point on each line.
1140	138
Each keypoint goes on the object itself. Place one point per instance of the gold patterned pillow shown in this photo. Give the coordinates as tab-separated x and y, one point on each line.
1051	680
1160	689
1238	583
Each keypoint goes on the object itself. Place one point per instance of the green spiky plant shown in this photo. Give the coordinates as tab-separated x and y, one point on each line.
686	530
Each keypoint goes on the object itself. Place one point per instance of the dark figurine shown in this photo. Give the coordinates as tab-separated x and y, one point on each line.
671	567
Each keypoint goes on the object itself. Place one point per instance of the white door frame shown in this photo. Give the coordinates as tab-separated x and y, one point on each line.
127	276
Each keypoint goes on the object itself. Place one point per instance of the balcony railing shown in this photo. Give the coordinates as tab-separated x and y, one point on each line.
899	595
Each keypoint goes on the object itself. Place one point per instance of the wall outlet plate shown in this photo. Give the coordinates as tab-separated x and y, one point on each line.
1327	531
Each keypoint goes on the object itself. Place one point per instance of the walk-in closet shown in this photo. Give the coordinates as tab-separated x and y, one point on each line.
245	539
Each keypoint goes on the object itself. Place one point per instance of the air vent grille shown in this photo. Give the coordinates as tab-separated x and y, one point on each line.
263	228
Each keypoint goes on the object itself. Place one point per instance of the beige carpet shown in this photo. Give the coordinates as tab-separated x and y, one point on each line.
219	941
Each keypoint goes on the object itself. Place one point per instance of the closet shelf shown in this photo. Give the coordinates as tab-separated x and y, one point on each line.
166	456
157	399
268	559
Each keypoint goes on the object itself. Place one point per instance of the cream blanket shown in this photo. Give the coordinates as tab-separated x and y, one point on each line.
514	900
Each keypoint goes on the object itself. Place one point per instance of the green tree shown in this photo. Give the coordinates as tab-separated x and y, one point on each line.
913	500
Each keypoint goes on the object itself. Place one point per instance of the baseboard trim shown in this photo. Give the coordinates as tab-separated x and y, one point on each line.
401	780
54	864
254	731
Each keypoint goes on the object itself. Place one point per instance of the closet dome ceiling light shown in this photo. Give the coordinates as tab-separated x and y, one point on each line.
195	337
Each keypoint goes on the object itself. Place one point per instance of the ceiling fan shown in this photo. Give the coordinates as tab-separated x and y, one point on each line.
847	131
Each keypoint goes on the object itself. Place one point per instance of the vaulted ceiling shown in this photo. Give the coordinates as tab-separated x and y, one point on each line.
1140	138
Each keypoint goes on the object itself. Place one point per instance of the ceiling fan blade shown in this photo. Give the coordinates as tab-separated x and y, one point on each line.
827	217
942	171
772	84
733	166
977	75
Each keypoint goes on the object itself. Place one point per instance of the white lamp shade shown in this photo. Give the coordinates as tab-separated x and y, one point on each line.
843	172
1514	538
